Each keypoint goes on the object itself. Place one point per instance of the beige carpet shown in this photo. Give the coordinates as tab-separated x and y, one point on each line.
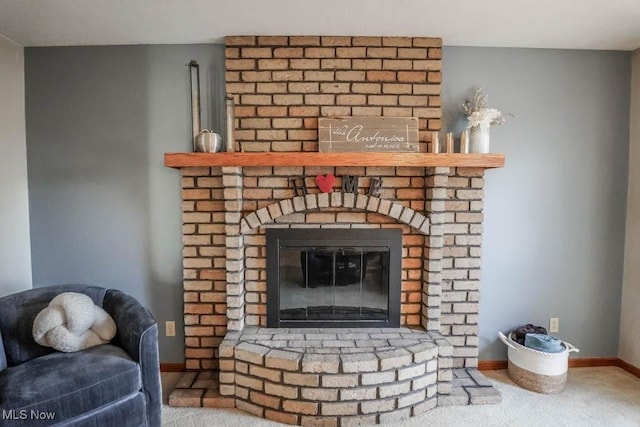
593	397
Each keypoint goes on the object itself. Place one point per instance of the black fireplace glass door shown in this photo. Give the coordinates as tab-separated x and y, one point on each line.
333	283
333	278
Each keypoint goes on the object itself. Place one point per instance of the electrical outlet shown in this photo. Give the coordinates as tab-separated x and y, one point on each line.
170	328
554	324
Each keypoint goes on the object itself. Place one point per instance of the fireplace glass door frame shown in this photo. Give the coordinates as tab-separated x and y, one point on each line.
318	241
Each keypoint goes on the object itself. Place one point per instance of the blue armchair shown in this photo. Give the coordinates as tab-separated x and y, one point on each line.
115	384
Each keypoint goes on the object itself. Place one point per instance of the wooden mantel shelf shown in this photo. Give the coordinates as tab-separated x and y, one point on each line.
185	160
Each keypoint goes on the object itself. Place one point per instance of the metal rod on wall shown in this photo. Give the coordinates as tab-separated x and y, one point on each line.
194	77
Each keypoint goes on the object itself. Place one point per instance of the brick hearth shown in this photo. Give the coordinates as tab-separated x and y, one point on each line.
330	376
326	375
280	86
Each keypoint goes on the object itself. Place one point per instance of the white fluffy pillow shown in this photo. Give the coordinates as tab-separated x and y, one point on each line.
72	322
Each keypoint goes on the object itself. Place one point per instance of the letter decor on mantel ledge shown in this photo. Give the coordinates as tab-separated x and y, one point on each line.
185	160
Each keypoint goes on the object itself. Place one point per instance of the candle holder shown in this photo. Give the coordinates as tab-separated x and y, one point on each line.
194	82
464	142
450	142
435	142
231	125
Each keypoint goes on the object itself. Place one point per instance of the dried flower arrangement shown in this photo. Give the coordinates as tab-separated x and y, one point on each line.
479	114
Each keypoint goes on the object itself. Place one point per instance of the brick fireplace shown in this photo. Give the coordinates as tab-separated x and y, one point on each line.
281	85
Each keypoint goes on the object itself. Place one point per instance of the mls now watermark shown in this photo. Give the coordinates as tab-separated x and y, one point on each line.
23	414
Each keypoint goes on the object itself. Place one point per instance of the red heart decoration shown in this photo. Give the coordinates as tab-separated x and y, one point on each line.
325	182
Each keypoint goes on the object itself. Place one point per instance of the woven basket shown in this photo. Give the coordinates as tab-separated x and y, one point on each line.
537	370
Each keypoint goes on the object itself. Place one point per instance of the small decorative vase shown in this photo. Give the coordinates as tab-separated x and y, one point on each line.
479	139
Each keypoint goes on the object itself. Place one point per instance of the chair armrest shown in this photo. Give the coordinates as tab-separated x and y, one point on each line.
3	357
133	322
137	333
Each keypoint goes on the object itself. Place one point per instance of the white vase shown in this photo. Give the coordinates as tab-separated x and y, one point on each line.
479	139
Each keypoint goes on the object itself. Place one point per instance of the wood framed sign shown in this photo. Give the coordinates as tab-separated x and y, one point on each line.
393	134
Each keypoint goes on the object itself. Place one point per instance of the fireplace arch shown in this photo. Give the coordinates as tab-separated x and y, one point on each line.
357	202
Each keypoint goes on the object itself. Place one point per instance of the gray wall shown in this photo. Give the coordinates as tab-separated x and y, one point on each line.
630	315
104	209
15	249
555	215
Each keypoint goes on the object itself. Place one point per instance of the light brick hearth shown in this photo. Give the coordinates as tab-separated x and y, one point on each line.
280	86
325	375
